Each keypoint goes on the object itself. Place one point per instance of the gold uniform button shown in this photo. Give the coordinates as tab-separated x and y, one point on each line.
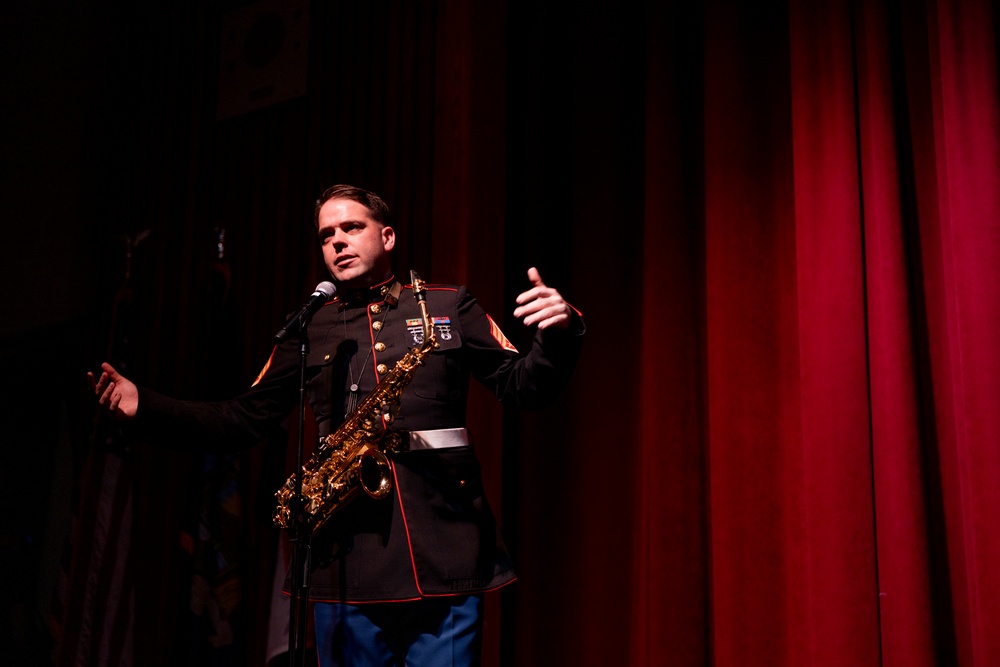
376	308
377	325
380	347
381	368
326	358
461	483
384	290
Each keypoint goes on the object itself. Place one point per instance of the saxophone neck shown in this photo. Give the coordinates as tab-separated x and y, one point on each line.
420	294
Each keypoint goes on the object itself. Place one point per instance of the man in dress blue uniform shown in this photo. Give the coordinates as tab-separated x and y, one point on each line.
399	579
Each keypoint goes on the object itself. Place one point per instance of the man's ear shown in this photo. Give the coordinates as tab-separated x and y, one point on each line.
388	238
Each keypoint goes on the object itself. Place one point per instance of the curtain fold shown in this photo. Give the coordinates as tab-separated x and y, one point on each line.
906	605
958	205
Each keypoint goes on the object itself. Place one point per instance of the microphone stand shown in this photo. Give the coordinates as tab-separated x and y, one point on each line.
301	538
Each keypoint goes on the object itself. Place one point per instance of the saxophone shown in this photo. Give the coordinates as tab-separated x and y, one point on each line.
353	459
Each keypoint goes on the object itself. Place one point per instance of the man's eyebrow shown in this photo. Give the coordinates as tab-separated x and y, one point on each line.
328	229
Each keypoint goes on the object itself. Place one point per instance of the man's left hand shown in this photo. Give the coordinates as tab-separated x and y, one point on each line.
542	305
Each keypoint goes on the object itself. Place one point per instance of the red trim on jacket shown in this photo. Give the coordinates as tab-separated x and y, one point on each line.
406	529
435	288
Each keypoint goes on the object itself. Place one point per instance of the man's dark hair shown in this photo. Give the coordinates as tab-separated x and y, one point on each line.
376	207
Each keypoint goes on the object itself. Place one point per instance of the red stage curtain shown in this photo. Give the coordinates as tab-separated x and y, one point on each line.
819	451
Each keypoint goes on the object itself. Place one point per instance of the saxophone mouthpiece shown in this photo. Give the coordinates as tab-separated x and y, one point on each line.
420	294
419	286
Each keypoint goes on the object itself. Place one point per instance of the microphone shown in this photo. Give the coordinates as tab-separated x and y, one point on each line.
324	292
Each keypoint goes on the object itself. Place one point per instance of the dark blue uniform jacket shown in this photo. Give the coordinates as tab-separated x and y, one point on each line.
435	533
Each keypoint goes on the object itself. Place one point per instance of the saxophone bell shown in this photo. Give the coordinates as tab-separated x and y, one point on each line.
375	473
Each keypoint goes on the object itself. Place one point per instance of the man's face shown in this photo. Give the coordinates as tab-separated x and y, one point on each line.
355	247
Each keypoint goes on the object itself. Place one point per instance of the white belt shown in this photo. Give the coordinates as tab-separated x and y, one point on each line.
439	438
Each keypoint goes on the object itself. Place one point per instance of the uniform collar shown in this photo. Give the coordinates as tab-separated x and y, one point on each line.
387	290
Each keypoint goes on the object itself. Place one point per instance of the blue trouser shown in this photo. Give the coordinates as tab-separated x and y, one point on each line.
440	631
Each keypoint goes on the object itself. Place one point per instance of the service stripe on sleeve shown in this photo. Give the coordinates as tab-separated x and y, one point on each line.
260	376
498	335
